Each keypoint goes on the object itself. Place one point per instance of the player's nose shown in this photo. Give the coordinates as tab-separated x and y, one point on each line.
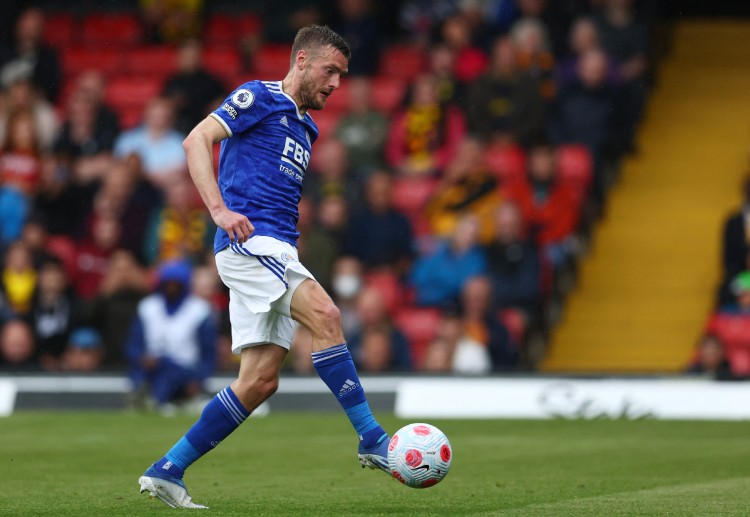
335	81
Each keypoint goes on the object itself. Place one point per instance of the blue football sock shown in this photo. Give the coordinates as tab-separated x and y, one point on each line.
222	415
336	368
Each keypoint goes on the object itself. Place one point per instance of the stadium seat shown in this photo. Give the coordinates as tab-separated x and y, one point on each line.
129	116
410	195
401	62
271	62
734	331
326	122
389	286
111	29
156	61
220	29
575	166
225	63
506	162
388	93
515	322
420	326
127	93
64	249
60	31
249	23
79	59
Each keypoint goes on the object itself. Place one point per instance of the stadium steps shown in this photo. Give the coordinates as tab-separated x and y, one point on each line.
648	284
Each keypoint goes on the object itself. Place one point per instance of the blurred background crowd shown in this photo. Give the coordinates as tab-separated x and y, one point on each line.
461	170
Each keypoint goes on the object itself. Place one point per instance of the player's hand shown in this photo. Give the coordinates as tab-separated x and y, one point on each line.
238	227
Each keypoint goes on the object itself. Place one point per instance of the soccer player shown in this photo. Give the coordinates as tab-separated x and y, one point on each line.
266	134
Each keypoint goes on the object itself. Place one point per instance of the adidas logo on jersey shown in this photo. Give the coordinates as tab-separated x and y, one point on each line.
348	387
284	121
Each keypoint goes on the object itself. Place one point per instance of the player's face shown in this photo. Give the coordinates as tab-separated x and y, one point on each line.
321	77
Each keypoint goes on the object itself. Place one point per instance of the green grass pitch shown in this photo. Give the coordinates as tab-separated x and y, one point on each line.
88	463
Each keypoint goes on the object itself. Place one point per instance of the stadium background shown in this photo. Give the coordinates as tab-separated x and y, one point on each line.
627	283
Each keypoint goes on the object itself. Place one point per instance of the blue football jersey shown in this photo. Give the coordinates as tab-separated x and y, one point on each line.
263	162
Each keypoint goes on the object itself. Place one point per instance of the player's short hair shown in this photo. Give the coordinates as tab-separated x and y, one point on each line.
315	37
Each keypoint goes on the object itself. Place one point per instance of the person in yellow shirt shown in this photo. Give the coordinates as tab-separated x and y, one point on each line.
19	278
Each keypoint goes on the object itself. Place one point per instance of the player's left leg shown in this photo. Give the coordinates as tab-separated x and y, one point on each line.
312	307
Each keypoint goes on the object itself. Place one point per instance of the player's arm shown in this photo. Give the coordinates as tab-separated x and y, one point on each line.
199	146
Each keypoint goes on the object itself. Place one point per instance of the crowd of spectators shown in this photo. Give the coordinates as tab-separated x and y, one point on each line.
456	168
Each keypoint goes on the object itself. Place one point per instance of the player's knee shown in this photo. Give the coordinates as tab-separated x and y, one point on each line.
259	386
329	320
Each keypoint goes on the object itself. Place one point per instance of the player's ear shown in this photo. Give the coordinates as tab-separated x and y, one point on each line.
300	60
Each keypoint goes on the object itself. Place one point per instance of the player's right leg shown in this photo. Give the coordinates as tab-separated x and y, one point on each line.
257	381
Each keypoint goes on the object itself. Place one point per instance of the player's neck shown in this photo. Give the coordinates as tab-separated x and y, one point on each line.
287	86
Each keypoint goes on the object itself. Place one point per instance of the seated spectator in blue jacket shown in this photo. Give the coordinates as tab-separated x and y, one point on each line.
378	235
172	343
514	266
438	278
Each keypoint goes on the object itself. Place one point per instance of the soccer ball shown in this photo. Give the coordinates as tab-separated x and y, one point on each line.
419	455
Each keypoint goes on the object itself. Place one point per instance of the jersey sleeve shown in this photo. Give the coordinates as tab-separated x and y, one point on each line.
245	107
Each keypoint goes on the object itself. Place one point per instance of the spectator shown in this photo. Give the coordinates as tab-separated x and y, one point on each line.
89	132
128	195
282	20
93	254
470	60
584	112
514	265
377	345
550	208
19	279
171	21
362	130
485	344
710	359
157	143
359	26
181	229
730	323
171	347
20	95
424	136
584	37
54	313
534	54
346	285
17	350
736	243
438	278
439	355
626	39
194	91
20	161
318	247
419	19
28	56
379	236
442	60
84	351
465	188
115	306
332	174
504	103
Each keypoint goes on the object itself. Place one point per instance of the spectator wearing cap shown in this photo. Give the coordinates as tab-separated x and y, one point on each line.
171	347
741	289
84	351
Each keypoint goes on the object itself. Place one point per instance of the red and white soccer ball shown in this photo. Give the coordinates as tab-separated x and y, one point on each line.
419	455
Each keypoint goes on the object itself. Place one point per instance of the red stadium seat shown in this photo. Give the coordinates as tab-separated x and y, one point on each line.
249	23
402	62
388	93
112	29
575	166
388	285
156	61
420	326
130	116
326	122
410	195
223	62
77	60
64	248
734	331
271	62
128	95
60	31
220	29
507	162
339	101
515	322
